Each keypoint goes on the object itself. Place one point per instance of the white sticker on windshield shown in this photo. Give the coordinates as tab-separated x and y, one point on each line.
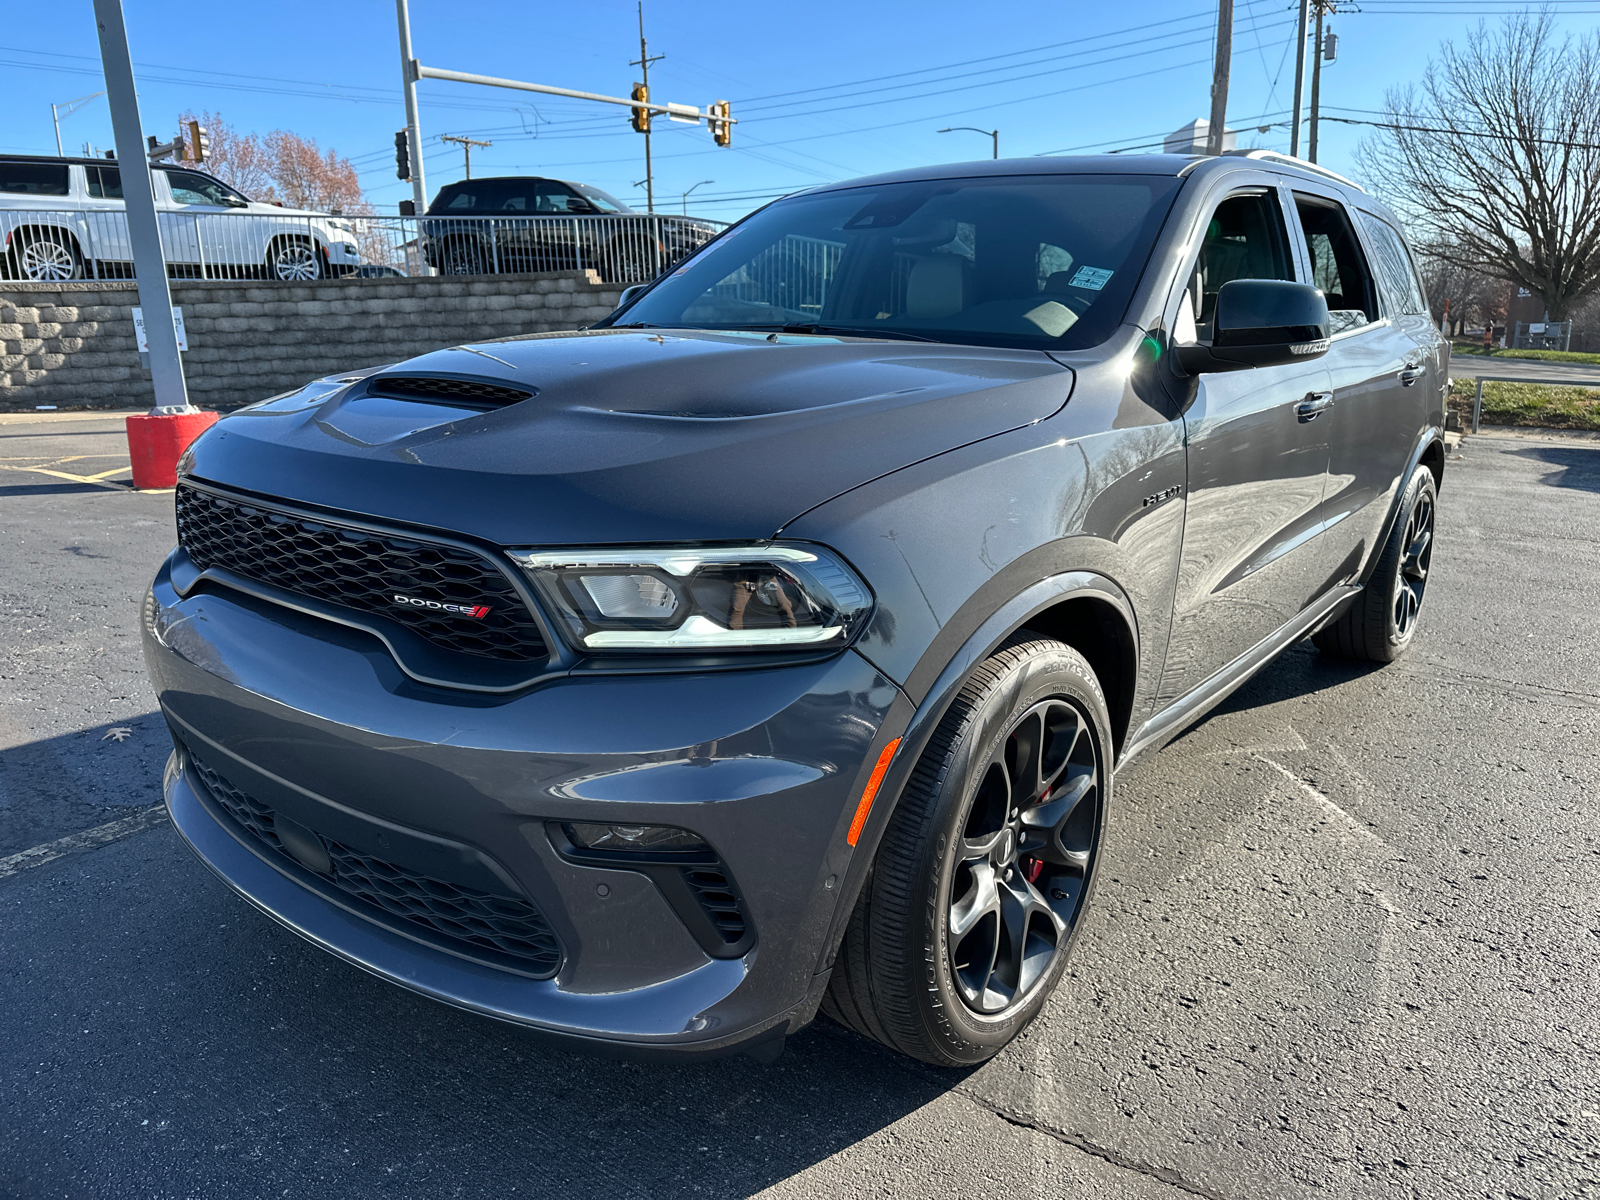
1091	279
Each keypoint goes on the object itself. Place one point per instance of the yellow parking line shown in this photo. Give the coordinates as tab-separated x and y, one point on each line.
104	474
96	480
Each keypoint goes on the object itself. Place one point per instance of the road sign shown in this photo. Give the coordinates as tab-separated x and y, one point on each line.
177	320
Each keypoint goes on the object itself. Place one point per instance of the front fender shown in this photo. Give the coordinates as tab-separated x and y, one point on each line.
914	727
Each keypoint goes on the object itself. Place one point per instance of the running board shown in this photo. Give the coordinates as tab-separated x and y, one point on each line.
1186	710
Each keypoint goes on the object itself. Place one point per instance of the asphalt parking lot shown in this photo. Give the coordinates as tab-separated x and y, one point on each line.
1347	940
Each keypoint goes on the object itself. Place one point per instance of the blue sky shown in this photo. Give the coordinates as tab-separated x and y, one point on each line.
825	90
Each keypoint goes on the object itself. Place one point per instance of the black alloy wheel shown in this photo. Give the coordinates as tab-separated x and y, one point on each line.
1416	556
1024	857
1380	624
987	865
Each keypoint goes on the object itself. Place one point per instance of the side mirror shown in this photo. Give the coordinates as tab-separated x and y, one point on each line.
628	294
1261	323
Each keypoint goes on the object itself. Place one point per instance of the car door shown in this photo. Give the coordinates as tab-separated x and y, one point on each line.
106	219
211	231
1373	364
1257	460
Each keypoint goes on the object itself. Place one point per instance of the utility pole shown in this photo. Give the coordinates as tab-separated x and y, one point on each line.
408	76
1219	77
466	144
1299	78
644	65
149	267
1323	7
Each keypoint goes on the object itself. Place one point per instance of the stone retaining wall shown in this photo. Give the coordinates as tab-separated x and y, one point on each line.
72	344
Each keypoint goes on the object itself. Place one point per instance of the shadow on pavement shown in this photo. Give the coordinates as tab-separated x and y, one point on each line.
1580	465
192	1047
75	781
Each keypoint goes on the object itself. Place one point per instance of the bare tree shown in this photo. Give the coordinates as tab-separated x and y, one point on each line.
308	177
282	168
1494	160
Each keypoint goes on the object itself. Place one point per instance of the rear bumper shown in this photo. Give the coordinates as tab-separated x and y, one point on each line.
315	722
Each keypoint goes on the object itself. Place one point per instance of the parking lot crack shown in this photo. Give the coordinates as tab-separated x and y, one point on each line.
1161	1174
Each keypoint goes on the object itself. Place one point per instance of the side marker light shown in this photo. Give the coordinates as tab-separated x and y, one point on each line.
871	790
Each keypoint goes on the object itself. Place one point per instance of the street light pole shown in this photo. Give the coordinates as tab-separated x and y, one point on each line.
686	195
408	76
149	266
989	133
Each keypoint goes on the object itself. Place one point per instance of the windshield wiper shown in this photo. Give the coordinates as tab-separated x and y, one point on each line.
856	329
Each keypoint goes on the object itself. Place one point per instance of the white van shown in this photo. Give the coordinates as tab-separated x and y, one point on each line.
64	218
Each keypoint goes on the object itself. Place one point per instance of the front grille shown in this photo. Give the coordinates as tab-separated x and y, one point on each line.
507	924
365	571
719	899
465	391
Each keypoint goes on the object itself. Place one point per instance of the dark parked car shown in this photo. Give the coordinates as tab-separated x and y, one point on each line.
525	223
776	645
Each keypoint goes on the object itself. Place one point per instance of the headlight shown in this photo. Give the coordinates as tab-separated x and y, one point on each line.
772	597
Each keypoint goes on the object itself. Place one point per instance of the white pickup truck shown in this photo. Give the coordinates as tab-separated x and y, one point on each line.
64	218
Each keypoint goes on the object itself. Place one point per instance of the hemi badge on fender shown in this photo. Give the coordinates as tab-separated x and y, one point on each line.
461	610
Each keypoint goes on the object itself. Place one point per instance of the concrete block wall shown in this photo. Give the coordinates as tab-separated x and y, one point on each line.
72	344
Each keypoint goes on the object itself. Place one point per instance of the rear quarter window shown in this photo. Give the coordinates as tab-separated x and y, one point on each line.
33	179
1397	275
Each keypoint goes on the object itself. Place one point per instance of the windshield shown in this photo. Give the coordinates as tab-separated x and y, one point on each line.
1035	261
604	201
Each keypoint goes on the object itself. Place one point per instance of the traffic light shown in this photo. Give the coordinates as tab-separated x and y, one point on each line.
721	127
641	116
199	142
402	155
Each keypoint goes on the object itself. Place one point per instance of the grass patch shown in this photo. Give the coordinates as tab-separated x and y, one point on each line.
1534	405
1570	356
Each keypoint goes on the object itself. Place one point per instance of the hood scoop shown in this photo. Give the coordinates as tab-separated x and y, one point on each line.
457	392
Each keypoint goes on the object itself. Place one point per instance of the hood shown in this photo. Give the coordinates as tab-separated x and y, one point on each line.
631	435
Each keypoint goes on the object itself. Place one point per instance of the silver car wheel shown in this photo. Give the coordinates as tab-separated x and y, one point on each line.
294	261
47	258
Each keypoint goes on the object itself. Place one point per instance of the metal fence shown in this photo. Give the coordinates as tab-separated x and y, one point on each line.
52	245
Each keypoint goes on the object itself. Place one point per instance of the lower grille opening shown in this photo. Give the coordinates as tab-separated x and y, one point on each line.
720	901
508	925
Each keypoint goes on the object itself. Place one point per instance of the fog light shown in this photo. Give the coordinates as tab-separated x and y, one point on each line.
589	836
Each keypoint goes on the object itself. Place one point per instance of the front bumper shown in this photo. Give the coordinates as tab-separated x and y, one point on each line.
316	722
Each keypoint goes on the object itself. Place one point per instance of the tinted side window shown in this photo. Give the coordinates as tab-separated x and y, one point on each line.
105	183
1338	267
1245	239
33	179
1395	270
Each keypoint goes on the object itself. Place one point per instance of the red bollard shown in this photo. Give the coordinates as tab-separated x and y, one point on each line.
156	442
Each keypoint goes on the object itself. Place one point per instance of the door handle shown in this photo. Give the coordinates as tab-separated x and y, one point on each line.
1410	374
1313	406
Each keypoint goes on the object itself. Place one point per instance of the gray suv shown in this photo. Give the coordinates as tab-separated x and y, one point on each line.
774	646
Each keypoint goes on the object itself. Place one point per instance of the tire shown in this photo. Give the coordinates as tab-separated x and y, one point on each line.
1380	624
627	260
47	255
910	972
294	260
464	258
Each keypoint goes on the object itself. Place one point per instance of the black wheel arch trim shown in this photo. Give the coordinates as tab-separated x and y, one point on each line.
1430	439
913	721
